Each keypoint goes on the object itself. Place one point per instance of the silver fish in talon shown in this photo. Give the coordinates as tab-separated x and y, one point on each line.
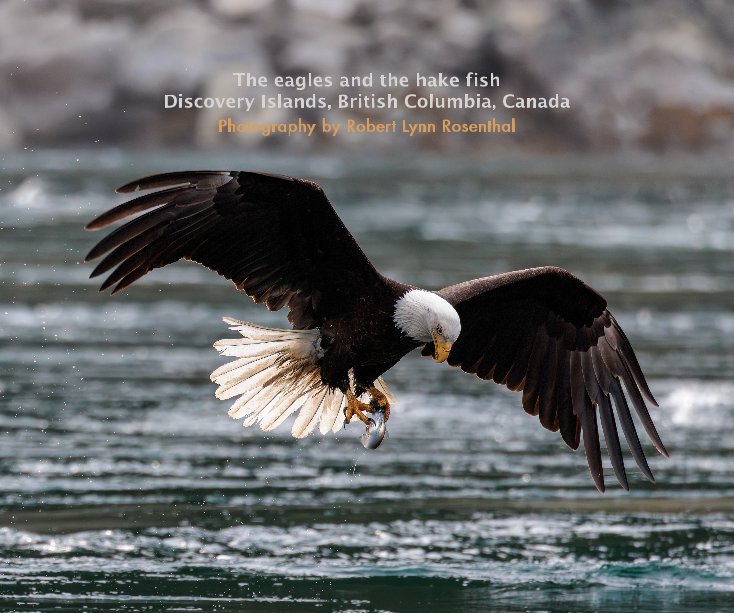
375	431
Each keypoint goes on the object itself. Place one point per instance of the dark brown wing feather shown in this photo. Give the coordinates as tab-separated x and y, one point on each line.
545	332
277	238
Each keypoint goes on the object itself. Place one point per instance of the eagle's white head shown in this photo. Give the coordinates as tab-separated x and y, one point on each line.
426	317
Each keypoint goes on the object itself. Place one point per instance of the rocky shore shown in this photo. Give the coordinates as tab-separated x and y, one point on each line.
655	76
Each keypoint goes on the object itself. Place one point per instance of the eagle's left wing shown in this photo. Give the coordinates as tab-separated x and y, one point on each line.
277	238
545	332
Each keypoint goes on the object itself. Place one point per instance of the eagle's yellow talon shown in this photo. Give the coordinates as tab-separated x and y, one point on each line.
379	402
355	407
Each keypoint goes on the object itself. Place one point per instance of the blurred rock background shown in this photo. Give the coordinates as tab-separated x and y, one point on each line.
642	76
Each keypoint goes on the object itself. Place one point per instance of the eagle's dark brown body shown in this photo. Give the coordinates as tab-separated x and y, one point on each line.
365	339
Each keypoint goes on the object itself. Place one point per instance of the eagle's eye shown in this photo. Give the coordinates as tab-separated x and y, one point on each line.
439	329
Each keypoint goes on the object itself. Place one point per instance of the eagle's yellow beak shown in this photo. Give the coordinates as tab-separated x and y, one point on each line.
441	347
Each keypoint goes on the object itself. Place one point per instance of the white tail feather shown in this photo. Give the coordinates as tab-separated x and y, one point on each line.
288	405
306	420
330	413
275	375
247	377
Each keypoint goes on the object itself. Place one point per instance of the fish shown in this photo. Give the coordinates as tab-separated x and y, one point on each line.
375	431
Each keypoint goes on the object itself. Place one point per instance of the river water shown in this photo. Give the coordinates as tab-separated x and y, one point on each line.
124	485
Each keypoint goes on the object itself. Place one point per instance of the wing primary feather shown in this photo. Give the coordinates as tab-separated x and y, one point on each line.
530	391
618	370
590	381
130	278
127	267
612	438
130	230
567	422
642	412
611	358
628	355
590	433
184	203
547	387
177	178
584	410
630	432
142	203
601	371
128	249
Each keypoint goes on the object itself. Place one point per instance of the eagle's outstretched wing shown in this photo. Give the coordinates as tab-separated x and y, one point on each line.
545	332
276	237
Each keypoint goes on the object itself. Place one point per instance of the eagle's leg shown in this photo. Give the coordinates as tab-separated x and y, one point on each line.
356	407
379	402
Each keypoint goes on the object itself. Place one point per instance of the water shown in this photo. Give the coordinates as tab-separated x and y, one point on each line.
124	485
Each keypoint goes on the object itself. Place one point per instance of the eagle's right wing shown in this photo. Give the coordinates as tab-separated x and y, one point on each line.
547	333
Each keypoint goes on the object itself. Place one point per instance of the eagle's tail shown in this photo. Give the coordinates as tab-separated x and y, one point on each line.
276	374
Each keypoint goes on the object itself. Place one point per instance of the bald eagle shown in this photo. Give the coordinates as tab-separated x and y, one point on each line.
541	331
